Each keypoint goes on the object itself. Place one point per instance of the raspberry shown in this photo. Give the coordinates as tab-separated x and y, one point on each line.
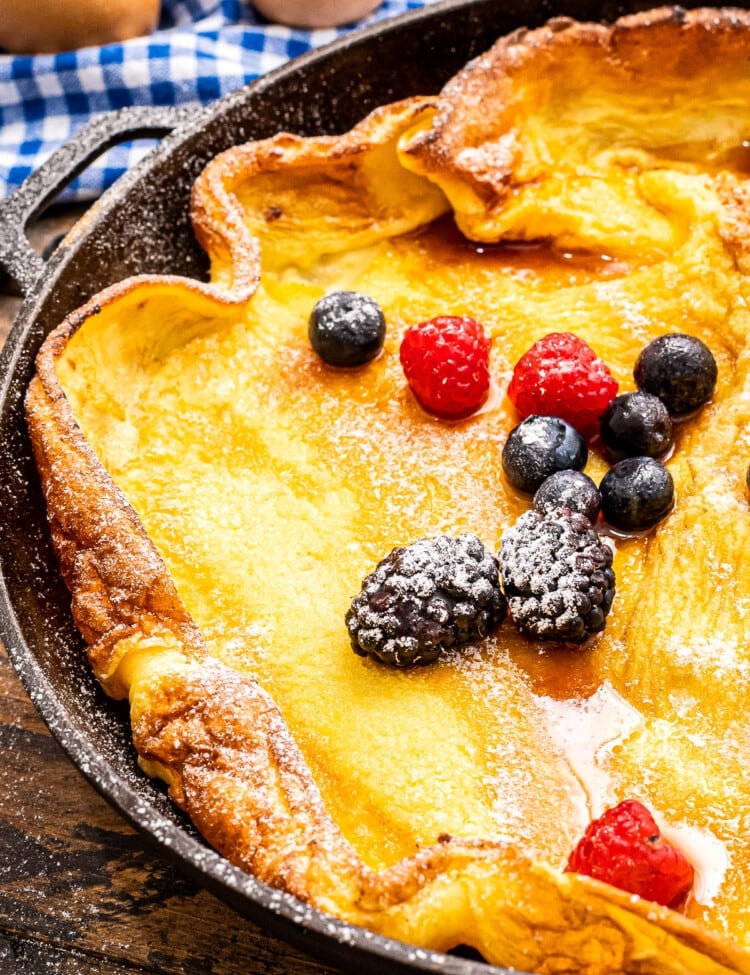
561	376
447	364
625	849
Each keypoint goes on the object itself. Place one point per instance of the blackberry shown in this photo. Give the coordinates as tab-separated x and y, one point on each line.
557	575
540	446
569	489
347	328
636	425
636	493
425	598
679	369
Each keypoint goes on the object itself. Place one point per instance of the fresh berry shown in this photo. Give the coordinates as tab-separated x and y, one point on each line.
561	375
636	493
679	369
425	598
636	425
557	575
446	362
624	848
347	328
569	489
538	447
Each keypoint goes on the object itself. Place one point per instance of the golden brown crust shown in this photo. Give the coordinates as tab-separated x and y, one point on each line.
327	167
119	584
568	96
215	736
242	781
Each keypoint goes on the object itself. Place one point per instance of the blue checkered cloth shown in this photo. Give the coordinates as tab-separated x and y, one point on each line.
202	50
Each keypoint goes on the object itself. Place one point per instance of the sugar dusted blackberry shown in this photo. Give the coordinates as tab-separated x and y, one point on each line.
425	598
557	575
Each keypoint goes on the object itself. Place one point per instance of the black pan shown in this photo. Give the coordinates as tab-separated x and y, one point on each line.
141	225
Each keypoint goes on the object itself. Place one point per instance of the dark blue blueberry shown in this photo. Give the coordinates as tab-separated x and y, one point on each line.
347	328
679	369
636	425
636	493
569	489
538	447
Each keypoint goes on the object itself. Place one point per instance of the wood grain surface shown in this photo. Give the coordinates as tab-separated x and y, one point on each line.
80	893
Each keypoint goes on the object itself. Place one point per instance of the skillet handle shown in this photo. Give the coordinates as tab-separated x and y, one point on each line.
17	256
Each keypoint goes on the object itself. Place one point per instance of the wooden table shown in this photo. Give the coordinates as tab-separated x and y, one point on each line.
80	893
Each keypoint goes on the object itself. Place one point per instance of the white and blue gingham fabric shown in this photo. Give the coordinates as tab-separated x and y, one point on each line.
202	50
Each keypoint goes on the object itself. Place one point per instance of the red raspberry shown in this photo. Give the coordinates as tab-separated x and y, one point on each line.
624	848
447	365
561	376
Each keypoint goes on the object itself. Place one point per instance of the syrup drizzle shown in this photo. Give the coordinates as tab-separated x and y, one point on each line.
706	852
585	732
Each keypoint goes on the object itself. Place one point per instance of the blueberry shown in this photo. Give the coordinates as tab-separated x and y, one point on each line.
569	489
347	328
538	447
636	425
636	493
679	369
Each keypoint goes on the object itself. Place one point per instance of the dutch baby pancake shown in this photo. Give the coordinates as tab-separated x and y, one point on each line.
321	577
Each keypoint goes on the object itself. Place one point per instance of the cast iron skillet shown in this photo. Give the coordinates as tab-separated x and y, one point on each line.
141	225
